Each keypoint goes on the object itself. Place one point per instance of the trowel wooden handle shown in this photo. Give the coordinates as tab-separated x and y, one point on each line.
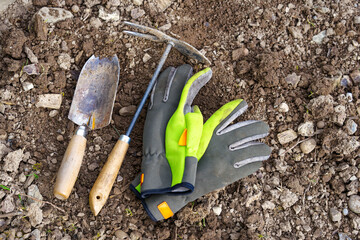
104	183
70	167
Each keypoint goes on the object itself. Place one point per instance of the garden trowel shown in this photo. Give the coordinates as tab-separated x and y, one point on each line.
90	109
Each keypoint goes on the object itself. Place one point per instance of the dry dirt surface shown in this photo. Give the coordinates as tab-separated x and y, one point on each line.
295	62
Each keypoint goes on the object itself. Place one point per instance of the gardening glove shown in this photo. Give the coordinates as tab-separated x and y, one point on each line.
227	153
170	144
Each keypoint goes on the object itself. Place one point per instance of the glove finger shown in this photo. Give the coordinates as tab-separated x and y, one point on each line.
218	121
249	153
170	85
192	87
242	133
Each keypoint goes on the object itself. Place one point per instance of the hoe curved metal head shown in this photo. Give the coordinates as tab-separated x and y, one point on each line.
158	36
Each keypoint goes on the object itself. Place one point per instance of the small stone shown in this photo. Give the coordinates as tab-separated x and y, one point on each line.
32	69
345	211
320	124
137	2
109	16
330	32
95	22
355	76
349	97
35	214
268	205
288	198
335	215
217	210
146	58
81	214
31	56
64	46
33	191
53	113
306	129
354	203
308	145
287	136
52	101
350	127
93	166
165	27
60	138
4	149
343	236
54	15
351	48
239	53
119	178
7	205
297	209
339	115
161	5
356	223
283	107
64	61
36	234
127	111
75	9
12	161
137	13
357	19
113	3
27	86
91	3
295	32
293	79
119	234
319	37
345	81
136	235
22	178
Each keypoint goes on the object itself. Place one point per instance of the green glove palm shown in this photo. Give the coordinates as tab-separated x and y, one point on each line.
171	171
227	153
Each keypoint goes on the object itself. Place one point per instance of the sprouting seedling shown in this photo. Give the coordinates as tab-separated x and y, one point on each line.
203	222
22	67
260	236
98	235
5	187
33	174
311	23
311	93
128	212
297	67
42	68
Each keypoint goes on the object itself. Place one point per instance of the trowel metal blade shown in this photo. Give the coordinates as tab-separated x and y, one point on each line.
95	92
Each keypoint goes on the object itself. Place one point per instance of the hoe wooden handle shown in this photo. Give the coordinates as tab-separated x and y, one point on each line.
70	166
104	183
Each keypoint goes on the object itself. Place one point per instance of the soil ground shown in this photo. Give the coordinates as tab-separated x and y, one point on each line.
296	63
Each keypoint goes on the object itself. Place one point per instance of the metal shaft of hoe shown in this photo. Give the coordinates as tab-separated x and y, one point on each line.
150	86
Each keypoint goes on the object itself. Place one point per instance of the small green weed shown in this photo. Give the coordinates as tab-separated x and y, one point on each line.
5	187
128	212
